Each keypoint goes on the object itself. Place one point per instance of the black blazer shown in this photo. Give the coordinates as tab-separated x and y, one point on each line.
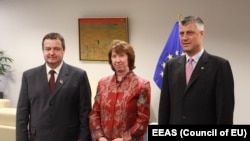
58	116
207	99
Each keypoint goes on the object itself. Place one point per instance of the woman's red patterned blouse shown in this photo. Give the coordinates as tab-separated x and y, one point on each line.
121	109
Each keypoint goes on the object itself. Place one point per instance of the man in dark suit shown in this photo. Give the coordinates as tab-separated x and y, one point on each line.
60	114
208	96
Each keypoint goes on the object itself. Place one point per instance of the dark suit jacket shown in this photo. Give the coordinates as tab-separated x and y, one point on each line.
207	99
58	116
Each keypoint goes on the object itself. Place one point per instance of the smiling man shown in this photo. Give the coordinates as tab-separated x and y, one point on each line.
59	114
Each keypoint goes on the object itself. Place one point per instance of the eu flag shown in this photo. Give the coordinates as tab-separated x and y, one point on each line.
171	50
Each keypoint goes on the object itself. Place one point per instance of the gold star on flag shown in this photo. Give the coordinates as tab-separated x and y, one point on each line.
170	57
162	74
177	53
163	64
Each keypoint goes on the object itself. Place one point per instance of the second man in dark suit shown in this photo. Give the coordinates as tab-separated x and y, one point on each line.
208	96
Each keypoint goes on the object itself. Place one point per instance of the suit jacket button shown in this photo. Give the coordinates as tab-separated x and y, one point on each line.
184	117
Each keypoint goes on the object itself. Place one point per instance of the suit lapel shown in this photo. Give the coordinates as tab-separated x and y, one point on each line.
180	74
200	68
61	79
43	79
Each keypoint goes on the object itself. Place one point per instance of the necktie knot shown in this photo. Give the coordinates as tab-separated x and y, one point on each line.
190	60
51	72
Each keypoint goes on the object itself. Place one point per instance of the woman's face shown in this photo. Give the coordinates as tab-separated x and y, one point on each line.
120	62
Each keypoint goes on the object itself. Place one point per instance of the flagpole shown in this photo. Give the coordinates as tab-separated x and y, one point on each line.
179	17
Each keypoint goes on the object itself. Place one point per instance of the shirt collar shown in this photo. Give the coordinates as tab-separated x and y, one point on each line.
57	70
196	57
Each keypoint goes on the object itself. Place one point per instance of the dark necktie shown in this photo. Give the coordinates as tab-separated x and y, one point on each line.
189	69
51	80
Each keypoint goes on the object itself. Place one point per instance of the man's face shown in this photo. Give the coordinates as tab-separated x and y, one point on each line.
53	52
191	38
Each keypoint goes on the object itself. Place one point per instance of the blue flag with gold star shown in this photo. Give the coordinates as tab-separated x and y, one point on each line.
171	50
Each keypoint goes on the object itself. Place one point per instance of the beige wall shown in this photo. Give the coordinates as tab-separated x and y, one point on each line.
24	23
